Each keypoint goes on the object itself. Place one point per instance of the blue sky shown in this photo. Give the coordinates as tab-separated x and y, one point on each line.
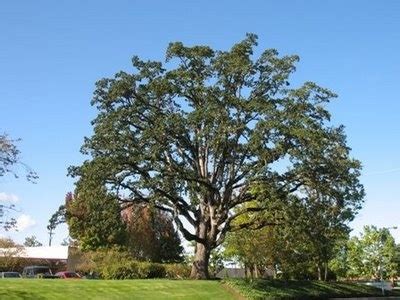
52	52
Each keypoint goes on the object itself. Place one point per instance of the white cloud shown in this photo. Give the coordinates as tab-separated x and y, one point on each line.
24	222
4	197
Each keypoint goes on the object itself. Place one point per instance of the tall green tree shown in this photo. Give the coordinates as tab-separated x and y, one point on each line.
195	137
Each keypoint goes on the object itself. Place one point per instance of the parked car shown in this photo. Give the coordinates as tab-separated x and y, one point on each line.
37	272
10	275
68	275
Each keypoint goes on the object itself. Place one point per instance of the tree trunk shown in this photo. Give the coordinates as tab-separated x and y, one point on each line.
247	271
256	271
319	272
326	271
275	271
200	263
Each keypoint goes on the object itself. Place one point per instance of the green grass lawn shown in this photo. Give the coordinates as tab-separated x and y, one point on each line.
277	289
178	289
111	289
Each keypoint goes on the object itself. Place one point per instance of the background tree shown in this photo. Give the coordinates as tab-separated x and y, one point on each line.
318	226
6	223
307	237
146	232
10	251
195	140
32	241
151	235
354	258
94	218
254	249
378	252
339	263
217	259
397	259
59	217
312	223
9	158
69	242
372	255
9	155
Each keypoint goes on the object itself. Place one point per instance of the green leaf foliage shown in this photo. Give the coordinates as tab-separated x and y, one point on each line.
151	235
116	263
372	255
94	218
198	136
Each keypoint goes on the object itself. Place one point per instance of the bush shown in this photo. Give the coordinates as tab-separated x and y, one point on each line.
177	271
118	264
130	270
101	260
151	270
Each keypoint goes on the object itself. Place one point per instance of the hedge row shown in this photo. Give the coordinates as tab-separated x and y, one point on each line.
143	270
114	264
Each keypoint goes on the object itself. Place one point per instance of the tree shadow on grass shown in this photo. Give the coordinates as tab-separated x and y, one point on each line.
281	289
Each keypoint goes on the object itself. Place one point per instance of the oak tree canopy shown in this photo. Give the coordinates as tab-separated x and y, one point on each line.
199	135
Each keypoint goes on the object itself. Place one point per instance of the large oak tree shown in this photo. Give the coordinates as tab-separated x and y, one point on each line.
196	136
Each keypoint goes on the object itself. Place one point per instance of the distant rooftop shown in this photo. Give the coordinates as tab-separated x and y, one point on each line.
56	252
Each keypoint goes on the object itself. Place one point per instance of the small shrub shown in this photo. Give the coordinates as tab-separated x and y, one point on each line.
177	271
121	270
151	270
102	261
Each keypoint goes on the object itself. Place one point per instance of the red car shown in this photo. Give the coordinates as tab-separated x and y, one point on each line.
68	275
